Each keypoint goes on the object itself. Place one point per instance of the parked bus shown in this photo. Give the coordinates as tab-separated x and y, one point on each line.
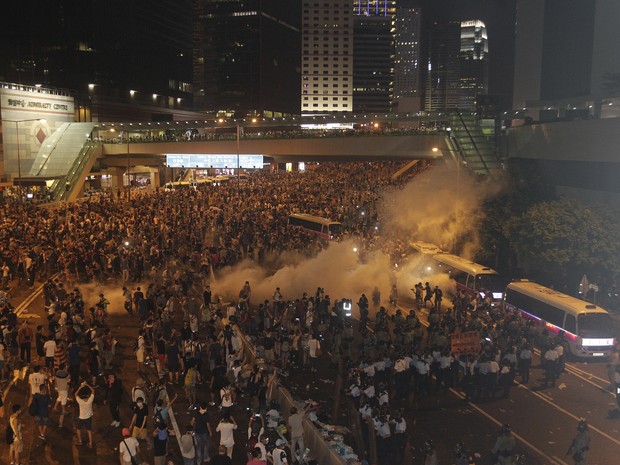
322	227
588	329
471	277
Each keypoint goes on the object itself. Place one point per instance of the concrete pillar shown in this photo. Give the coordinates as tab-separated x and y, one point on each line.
117	180
154	173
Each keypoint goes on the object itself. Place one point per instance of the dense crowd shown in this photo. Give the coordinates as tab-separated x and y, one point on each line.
191	135
193	342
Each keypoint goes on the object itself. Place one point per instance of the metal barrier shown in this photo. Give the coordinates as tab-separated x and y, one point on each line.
320	450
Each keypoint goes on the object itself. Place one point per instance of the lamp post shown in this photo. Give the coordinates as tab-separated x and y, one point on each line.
457	160
128	170
20	186
238	157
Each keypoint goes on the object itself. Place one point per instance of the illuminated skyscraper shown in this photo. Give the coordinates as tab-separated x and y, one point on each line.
474	63
327	57
457	68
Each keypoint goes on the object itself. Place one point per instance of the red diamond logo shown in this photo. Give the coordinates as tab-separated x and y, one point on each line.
40	136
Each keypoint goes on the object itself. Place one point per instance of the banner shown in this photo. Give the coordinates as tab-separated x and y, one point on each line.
465	343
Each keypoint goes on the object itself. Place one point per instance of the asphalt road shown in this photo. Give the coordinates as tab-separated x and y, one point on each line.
543	420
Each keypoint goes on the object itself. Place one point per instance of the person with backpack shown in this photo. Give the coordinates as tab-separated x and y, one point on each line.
202	433
189	383
188	446
14	435
160	444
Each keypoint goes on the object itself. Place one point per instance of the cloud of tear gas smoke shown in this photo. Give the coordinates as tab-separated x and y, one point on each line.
338	269
426	210
436	207
114	294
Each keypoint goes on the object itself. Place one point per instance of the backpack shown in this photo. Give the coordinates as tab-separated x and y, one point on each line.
156	396
10	435
190	377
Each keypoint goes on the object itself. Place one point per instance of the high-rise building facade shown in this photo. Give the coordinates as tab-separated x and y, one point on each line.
457	68
373	55
246	56
442	68
407	60
473	63
327	56
122	59
566	58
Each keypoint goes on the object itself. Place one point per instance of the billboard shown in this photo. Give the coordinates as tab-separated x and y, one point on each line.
28	116
213	160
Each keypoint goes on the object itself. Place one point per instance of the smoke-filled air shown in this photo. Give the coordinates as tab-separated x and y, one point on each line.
424	209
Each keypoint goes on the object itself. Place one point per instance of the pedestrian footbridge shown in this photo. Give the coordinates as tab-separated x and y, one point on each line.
70	153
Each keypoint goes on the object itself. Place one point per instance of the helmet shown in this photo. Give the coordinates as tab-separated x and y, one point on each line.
505	429
582	425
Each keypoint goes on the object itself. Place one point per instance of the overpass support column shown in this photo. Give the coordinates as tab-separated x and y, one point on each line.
154	174
117	181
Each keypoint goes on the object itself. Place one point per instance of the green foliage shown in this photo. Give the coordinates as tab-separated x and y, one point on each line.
554	238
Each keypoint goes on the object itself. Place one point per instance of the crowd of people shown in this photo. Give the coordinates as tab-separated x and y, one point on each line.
192	341
249	132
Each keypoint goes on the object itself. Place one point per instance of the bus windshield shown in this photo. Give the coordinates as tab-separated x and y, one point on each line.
335	229
595	325
491	282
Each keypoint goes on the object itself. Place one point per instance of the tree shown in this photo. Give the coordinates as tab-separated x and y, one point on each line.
562	239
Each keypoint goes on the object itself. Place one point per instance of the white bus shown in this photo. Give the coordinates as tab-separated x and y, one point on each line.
471	277
322	227
588	329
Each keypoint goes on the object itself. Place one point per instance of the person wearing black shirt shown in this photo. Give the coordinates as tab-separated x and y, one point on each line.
113	396
221	458
202	432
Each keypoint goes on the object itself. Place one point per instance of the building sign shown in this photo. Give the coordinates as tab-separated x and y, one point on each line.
213	160
465	343
29	115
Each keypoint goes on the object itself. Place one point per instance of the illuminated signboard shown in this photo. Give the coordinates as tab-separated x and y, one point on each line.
213	160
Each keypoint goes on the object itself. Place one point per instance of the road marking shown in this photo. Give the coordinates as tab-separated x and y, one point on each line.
551	459
566	412
31	298
586	373
545	398
573	370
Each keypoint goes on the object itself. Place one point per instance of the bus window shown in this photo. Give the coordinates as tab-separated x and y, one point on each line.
591	324
571	324
461	277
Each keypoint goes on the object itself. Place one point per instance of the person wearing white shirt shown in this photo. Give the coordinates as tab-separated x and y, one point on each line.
551	362
50	348
226	428
128	447
36	379
85	418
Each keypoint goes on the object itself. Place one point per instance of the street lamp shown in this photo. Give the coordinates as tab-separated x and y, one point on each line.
19	159
457	160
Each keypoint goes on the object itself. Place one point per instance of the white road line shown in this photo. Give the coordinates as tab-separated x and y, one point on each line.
586	373
566	412
551	459
573	370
